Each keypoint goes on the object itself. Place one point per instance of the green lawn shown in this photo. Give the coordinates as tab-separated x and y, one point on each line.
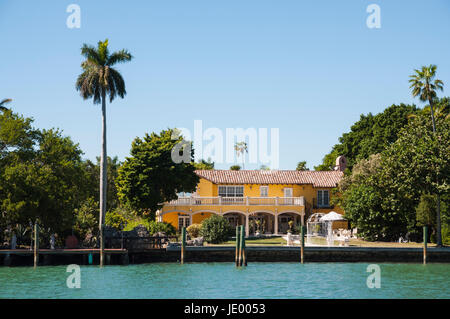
271	241
279	241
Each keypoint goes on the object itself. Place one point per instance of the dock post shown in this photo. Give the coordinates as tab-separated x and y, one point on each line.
425	240
36	244
237	246
183	243
241	245
302	239
244	254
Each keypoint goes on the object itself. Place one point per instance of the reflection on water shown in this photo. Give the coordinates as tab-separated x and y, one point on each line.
224	280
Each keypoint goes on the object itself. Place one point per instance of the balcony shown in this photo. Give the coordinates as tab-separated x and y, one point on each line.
237	201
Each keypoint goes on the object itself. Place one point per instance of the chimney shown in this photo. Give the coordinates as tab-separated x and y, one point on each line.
341	163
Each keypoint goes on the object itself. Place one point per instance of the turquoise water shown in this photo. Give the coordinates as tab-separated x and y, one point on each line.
224	280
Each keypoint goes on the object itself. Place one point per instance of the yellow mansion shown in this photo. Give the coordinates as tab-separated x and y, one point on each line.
267	198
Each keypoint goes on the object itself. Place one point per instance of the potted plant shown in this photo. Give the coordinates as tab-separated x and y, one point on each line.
258	228
290	223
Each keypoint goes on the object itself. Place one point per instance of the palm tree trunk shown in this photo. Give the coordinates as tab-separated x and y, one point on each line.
103	181
438	202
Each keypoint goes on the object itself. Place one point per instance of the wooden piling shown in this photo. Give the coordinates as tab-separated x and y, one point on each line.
241	245
302	243
36	244
244	253
237	246
183	243
425	240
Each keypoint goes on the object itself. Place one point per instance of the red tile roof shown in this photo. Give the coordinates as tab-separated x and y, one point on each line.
316	178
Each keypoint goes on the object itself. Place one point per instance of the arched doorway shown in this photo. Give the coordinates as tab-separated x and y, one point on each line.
262	223
285	218
235	218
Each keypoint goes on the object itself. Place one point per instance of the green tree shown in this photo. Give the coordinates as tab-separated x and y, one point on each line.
3	103
418	162
86	218
425	86
425	211
301	166
204	165
370	135
17	137
98	80
235	167
93	172
47	186
150	177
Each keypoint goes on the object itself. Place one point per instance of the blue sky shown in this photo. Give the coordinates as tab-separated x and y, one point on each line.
309	68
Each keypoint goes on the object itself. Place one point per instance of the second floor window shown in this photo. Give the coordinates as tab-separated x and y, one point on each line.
231	191
264	191
323	198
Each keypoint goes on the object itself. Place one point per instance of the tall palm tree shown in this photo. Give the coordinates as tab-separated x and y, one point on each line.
241	148
97	81
425	86
3	103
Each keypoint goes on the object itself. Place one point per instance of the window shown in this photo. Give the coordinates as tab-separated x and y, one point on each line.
183	221
323	198
288	192
231	191
264	191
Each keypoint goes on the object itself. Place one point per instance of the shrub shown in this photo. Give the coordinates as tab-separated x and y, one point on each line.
156	227
116	219
215	229
194	230
86	218
152	226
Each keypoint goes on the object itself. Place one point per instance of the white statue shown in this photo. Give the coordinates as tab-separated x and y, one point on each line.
52	241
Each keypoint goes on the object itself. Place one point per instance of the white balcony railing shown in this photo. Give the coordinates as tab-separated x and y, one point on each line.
237	201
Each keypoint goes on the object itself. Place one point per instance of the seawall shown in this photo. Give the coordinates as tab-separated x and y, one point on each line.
254	254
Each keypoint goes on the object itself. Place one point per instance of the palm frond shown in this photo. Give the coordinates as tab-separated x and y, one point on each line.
119	57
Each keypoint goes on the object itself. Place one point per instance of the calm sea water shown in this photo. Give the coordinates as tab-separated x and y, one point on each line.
224	280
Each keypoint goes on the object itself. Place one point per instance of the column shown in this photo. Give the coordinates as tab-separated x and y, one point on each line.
247	227
276	224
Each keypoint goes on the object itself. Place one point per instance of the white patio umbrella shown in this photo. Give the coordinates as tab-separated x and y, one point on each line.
330	218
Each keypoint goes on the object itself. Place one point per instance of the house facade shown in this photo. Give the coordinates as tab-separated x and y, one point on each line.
261	200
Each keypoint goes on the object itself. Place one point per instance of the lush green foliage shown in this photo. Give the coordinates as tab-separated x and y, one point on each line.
381	195
301	166
204	165
216	229
41	176
99	78
152	226
86	218
426	211
93	183
150	177
235	167
370	135
116	219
